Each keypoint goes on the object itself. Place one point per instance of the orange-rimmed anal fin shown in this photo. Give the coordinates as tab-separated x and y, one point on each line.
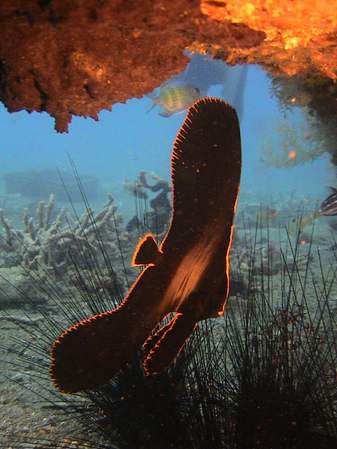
155	336
172	340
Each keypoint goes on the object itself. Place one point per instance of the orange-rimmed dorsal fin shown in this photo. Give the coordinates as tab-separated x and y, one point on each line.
146	252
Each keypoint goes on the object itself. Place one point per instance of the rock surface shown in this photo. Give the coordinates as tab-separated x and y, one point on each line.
79	57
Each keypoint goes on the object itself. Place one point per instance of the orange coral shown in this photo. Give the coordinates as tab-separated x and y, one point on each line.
299	33
79	57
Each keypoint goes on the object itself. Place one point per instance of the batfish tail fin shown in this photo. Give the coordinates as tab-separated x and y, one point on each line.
173	337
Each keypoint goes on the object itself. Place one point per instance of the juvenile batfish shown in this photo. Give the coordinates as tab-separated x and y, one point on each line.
175	98
188	274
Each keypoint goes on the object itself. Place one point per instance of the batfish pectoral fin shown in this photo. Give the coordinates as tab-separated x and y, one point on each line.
146	252
172	338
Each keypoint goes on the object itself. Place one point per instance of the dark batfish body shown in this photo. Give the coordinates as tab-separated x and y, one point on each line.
188	274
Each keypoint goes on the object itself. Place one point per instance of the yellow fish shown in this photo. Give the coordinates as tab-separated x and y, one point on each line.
298	224
175	98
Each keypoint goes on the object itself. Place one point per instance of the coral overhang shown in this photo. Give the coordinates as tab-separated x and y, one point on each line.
82	56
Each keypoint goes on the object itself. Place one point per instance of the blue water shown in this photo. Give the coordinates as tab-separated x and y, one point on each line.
123	142
130	138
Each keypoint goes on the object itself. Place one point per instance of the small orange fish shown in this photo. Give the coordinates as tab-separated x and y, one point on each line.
188	274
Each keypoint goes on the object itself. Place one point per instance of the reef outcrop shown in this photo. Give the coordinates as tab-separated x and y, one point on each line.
79	57
82	56
63	249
